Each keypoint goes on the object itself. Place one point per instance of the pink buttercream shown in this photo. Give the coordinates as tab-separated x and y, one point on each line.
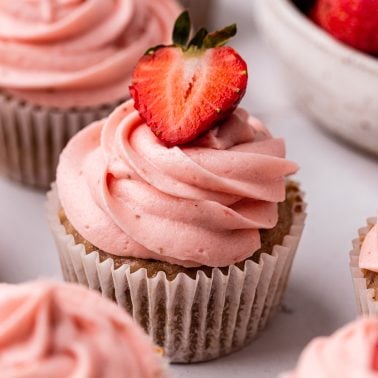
59	330
369	251
348	353
130	195
67	53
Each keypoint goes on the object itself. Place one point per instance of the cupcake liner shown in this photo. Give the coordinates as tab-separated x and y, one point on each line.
365	297
192	319
200	11
32	138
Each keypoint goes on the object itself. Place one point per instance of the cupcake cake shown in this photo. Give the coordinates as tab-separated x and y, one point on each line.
364	268
351	352
64	64
63	330
180	211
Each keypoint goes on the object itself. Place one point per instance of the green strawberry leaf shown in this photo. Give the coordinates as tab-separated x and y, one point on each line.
220	37
197	40
181	30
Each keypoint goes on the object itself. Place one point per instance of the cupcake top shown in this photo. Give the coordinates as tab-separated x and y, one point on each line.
69	53
184	179
349	353
198	204
61	330
369	251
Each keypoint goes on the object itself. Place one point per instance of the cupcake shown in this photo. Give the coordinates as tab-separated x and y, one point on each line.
189	223
63	330
63	65
364	268
351	352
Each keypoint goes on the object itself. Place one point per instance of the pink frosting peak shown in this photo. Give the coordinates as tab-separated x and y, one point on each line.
68	53
199	204
60	330
350	352
369	250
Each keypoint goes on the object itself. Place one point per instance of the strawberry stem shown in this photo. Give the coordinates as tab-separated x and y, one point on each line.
182	29
220	37
197	40
201	40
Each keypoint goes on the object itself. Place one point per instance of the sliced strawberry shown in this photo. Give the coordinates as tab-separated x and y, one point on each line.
183	90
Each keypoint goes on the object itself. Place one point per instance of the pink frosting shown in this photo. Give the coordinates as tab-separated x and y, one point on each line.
369	251
348	353
60	330
66	53
130	195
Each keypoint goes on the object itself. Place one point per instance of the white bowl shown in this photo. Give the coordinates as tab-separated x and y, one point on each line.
335	84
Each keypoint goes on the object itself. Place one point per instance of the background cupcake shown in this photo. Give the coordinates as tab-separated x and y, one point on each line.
364	268
350	352
64	64
59	330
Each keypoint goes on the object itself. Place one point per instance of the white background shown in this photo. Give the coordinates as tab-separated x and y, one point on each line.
342	191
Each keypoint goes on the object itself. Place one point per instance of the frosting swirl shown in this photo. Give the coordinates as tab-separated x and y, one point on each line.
67	53
130	195
348	353
60	330
369	251
199	204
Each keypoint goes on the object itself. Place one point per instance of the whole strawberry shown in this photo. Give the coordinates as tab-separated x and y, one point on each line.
354	22
186	88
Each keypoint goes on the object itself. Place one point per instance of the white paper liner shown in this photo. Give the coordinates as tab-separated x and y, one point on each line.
32	138
200	11
192	319
365	297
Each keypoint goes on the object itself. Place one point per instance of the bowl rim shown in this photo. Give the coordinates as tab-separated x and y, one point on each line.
289	14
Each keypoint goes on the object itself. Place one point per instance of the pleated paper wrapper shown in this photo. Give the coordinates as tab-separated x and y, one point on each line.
365	297
192	319
32	138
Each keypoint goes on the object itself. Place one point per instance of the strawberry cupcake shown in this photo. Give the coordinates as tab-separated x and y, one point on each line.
61	330
351	352
364	268
177	205
63	64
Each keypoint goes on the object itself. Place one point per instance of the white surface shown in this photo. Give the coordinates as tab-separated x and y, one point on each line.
341	186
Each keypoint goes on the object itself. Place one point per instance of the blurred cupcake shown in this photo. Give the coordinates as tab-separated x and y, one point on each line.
60	330
63	65
351	352
364	268
193	232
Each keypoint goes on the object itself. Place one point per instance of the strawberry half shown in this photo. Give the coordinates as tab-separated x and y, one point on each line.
184	89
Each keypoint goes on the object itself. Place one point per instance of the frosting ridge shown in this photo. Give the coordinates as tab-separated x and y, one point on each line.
127	193
69	53
63	330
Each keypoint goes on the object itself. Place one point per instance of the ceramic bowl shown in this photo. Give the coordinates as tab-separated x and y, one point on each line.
334	84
